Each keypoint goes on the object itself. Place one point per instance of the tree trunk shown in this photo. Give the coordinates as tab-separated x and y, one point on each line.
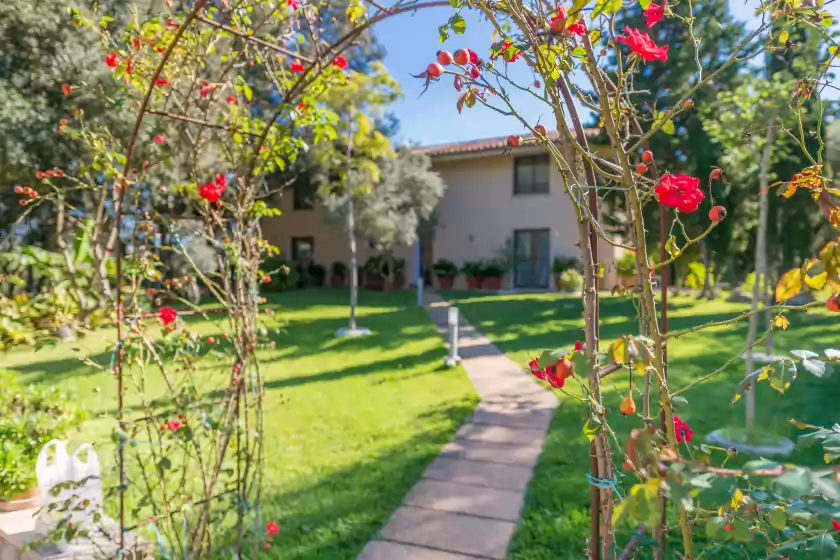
708	291
760	266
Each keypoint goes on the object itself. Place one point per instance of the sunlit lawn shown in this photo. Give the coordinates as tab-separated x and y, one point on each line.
556	518
350	423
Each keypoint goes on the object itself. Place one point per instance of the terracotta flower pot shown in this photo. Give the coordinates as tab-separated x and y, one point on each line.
336	281
398	283
492	283
445	282
473	282
26	500
627	281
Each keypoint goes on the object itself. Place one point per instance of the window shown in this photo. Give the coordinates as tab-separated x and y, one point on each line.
531	175
303	193
303	249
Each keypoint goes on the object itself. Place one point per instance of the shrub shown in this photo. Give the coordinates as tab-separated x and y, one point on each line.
572	280
626	265
312	275
445	268
695	279
32	416
493	269
562	264
340	269
473	268
284	274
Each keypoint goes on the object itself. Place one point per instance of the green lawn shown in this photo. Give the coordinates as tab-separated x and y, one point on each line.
350	424
556	517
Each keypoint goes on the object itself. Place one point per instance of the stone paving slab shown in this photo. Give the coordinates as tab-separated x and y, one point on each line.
480	501
386	550
503	453
467	503
479	473
464	534
500	434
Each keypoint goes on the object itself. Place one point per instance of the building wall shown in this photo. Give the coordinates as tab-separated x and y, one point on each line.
479	213
331	243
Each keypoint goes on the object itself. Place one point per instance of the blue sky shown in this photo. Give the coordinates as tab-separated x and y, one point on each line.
411	41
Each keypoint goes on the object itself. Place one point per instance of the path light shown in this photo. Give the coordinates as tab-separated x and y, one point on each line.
453	358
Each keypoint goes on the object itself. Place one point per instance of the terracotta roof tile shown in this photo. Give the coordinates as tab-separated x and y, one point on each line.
484	144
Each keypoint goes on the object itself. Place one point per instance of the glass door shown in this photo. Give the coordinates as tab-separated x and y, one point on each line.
530	256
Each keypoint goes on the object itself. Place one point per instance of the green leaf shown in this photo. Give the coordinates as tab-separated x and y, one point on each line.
793	484
817	368
831	353
682	401
551	357
714	527
579	52
443	30
645	4
741	530
827	20
668	127
777	519
582	363
458	24
246	91
591	429
760	465
619	351
784	36
804	354
820	547
754	377
827	488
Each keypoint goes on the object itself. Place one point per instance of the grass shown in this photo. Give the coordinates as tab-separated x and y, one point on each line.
350	424
555	521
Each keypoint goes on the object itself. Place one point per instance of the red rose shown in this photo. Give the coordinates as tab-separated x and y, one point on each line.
159	139
293	4
683	430
112	60
167	315
206	89
272	529
578	346
681	192
221	181
535	369
340	62
835	525
135	43
473	57
654	13
65	89
301	106
297	67
577	28
173	425
162	81
641	44
231	100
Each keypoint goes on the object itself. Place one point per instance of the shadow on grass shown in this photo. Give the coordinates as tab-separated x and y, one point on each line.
334	516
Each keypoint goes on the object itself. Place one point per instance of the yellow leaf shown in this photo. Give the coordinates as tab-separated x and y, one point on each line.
820	275
781	322
619	350
784	36
789	284
789	191
737	499
494	36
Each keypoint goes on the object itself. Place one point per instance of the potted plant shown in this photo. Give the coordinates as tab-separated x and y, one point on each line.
339	272
445	271
493	271
373	273
558	267
571	280
474	271
284	275
31	417
626	270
